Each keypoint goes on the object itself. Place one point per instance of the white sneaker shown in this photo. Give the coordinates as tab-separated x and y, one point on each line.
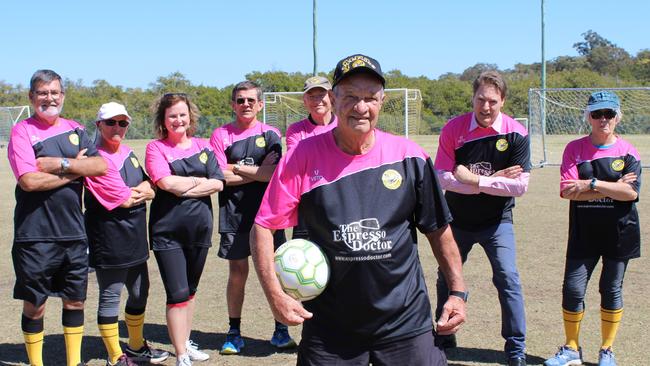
183	360
194	353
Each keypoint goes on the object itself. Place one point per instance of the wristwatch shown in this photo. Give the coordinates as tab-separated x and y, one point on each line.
462	294
65	165
592	184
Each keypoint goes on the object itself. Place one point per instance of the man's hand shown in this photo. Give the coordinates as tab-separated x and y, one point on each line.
271	158
512	172
453	315
52	165
628	178
463	175
572	188
288	311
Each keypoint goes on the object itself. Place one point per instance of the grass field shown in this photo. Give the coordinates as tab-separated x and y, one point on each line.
541	227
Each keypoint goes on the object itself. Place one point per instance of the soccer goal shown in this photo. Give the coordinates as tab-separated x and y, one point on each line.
557	116
9	116
400	114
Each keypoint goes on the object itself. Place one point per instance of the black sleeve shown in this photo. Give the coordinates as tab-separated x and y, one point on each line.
431	211
214	172
85	142
521	152
274	143
632	165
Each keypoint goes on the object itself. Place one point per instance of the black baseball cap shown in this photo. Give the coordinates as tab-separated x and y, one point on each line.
357	63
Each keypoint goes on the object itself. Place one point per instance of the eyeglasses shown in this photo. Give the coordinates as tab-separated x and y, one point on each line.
56	94
112	122
608	113
244	100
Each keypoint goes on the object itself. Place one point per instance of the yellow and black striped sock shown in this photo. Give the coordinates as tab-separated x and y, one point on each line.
73	332
572	321
33	335
111	337
609	322
135	325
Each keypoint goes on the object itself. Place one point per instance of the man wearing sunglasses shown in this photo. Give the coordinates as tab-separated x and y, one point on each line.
247	151
49	156
483	163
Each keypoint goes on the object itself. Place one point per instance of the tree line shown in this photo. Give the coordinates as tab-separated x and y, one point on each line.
600	63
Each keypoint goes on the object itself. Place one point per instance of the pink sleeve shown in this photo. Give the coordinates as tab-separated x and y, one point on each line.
293	137
20	152
110	189
155	162
505	187
279	208
569	168
219	151
448	182
446	155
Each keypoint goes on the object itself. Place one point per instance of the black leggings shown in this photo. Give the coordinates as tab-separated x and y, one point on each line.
180	270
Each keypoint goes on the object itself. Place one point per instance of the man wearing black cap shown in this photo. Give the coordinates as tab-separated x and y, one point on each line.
361	202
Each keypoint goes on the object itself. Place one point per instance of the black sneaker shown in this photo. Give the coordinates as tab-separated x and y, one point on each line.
445	341
124	360
147	354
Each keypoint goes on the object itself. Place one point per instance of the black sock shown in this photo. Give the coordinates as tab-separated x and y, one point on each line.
280	326
235	323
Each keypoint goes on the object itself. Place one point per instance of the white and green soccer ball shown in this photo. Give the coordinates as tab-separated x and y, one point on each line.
302	268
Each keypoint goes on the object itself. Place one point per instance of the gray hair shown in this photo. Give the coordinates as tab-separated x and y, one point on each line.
43	76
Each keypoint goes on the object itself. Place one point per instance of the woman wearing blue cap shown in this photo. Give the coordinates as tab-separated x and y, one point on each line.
601	175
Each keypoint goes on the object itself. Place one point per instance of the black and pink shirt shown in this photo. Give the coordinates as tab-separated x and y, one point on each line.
180	221
232	145
484	151
363	211
117	236
602	227
53	215
301	130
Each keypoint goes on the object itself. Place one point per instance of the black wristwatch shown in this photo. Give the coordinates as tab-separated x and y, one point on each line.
461	294
592	184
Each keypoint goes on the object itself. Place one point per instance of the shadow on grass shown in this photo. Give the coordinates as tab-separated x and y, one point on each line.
458	357
93	346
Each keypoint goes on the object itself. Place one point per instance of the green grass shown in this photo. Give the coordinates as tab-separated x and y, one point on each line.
541	227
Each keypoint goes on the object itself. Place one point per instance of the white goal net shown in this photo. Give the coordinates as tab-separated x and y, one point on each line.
400	114
556	116
9	116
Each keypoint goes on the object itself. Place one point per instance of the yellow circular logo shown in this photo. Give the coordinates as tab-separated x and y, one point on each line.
502	145
74	139
391	179
135	162
203	158
618	165
260	142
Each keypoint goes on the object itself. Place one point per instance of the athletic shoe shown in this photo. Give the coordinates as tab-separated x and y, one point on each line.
194	353
517	361
445	341
565	356
234	343
124	360
281	339
147	354
183	360
606	357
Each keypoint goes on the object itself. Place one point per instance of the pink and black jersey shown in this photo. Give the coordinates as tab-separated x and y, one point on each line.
484	151
301	130
53	215
232	145
363	211
603	226
117	236
174	220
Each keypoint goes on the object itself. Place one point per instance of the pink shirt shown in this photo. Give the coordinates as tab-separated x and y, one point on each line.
227	135
110	189
160	154
301	130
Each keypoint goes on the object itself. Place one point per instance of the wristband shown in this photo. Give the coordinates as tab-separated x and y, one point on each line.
462	294
592	184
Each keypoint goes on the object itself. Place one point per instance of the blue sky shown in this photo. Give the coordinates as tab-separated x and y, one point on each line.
215	43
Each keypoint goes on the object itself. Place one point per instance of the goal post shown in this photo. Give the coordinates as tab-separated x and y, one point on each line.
9	116
557	116
400	114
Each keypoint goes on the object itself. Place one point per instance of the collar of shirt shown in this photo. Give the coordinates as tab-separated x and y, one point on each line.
496	126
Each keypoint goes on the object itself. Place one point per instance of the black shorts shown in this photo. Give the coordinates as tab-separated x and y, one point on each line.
237	245
43	269
418	350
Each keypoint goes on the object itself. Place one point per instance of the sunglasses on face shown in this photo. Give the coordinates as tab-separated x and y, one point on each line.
112	122
608	113
244	100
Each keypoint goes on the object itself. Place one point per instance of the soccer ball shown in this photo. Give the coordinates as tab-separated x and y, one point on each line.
302	269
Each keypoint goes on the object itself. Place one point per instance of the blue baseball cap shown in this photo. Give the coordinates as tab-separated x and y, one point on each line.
603	100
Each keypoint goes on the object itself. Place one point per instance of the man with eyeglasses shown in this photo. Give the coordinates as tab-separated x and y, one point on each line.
49	156
483	163
247	151
320	120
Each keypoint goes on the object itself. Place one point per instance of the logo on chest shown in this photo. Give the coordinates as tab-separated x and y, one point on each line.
391	179
502	145
618	165
365	234
260	142
74	139
135	162
315	177
203	158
